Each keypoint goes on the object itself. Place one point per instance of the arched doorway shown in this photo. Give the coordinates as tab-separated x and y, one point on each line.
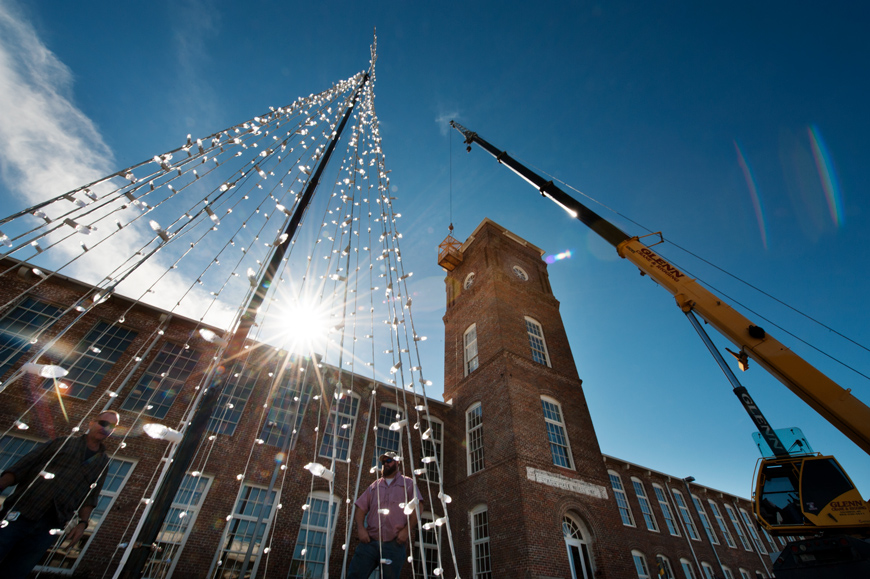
577	543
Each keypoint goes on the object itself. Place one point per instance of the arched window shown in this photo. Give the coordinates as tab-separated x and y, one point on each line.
687	568
537	342
640	565
309	555
729	540
740	534
387	440
645	506
560	448
578	547
750	526
684	513
673	529
474	437
705	520
708	570
469	340
728	573
432	448
481	561
665	571
621	499
429	539
343	415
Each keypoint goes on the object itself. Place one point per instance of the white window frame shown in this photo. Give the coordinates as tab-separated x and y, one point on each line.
744	573
640	564
384	434
728	573
480	542
747	520
717	514
474	440
225	544
705	520
535	331
688	570
343	418
707	570
671	521
153	569
736	522
430	549
470	351
95	521
621	498
562	429
686	515
774	547
434	446
13	457
665	563
468	281
332	503
582	544
645	506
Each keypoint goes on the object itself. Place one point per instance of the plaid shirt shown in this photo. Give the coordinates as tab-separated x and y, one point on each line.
380	496
77	481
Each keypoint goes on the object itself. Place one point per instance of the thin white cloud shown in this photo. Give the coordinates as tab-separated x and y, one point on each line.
47	145
444	119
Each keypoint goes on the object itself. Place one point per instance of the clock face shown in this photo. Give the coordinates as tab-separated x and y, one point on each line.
469	280
520	273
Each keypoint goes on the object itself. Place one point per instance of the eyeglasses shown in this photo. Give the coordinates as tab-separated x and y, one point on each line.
388	460
106	424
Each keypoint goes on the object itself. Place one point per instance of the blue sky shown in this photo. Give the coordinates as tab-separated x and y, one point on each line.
739	131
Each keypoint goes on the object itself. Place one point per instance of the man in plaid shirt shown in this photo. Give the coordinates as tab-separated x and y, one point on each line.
51	483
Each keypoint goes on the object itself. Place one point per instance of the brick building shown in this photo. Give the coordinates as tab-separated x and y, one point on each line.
533	496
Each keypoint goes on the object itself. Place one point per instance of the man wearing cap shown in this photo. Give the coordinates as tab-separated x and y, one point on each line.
382	526
51	482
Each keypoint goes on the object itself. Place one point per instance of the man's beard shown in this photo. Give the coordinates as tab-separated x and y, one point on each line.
390	469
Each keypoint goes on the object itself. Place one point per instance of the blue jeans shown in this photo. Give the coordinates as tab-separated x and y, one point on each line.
23	543
367	558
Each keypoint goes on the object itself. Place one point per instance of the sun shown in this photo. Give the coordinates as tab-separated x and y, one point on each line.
304	326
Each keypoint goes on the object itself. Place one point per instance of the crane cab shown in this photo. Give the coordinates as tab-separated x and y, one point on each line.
803	495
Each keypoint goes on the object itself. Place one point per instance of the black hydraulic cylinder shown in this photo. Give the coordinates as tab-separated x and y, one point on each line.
196	429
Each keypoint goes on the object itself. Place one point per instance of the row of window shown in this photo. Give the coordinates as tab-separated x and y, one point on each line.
738	523
242	529
537	345
560	448
158	387
664	569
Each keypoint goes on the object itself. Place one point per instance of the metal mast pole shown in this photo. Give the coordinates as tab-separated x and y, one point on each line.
196	428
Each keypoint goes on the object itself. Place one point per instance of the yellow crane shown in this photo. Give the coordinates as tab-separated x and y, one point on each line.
796	494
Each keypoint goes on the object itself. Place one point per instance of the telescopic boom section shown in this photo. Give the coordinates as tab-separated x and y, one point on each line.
836	404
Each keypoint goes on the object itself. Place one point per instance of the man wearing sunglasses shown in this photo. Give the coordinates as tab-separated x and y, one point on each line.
51	483
384	533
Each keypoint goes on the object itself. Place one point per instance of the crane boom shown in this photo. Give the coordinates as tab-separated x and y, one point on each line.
836	404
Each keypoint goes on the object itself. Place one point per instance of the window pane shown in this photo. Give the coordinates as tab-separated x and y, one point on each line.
621	500
233	399
346	410
286	411
309	554
157	388
251	505
93	357
20	326
536	342
474	429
